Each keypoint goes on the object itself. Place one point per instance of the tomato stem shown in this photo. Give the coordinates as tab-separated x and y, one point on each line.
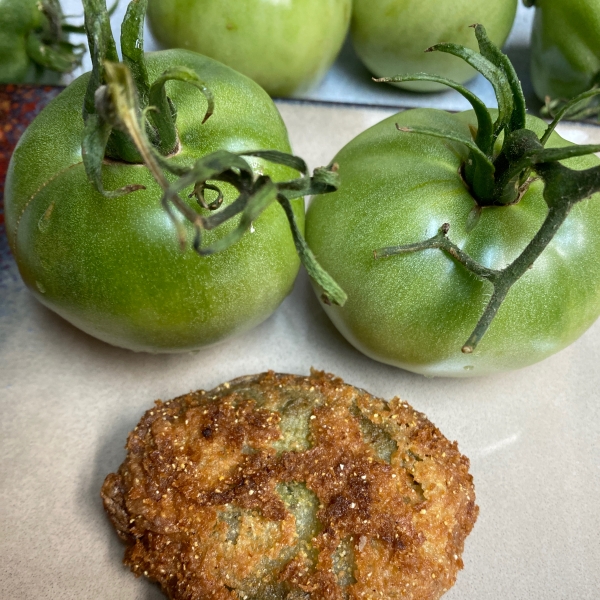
163	118
134	121
483	168
102	48
161	123
483	135
501	179
441	241
563	189
132	48
117	105
494	55
48	46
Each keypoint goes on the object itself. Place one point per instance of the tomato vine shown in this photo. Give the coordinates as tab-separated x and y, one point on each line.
501	178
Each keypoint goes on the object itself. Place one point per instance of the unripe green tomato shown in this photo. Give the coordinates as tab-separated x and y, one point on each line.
286	47
417	310
17	19
565	47
113	266
391	36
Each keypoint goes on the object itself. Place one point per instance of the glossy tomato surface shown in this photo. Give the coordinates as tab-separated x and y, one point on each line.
287	47
565	47
113	267
417	310
391	36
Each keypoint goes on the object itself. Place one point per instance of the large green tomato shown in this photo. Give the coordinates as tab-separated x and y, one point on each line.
416	310
287	47
391	36
113	267
565	47
33	48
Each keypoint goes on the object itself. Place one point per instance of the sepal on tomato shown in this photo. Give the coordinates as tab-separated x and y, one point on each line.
35	42
134	121
501	178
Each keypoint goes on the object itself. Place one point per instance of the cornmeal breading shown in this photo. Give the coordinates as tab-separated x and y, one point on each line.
285	487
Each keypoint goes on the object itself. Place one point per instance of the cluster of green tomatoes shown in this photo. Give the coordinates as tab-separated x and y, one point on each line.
155	203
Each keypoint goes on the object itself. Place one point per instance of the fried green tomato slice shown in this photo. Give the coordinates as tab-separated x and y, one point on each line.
278	486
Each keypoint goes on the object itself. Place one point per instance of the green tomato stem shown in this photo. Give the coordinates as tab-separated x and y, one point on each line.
441	241
134	121
161	126
132	48
47	45
507	277
331	292
102	48
93	145
563	189
498	58
483	135
492	73
483	170
502	179
117	107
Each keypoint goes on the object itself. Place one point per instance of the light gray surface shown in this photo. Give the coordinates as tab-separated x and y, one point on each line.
349	82
68	401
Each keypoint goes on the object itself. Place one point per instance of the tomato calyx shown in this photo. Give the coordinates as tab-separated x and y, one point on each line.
47	43
484	169
563	189
494	178
130	120
161	122
500	179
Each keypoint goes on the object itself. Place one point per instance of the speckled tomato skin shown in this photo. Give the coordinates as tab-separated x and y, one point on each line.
565	47
287	47
113	267
416	311
391	36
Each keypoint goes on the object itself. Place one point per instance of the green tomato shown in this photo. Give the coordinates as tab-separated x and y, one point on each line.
32	50
113	267
565	47
391	36
416	310
287	47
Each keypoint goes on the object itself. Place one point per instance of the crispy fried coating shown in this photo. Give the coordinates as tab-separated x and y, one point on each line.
276	487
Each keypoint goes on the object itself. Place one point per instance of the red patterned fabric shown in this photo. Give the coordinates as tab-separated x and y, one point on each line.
19	104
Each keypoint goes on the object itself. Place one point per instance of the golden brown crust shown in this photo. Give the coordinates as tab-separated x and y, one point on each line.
280	486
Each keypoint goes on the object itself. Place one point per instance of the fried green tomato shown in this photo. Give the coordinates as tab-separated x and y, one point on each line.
278	486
